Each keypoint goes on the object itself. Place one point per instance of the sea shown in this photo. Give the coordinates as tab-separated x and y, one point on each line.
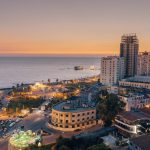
14	70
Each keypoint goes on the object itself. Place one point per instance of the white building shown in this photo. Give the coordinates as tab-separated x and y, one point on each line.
142	82
144	63
135	101
112	70
133	123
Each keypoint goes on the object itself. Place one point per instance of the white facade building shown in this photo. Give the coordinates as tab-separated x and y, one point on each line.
144	63
112	70
135	101
132	123
142	82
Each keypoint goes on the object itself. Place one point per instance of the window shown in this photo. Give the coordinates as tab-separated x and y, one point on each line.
66	126
72	126
66	121
73	115
78	114
66	115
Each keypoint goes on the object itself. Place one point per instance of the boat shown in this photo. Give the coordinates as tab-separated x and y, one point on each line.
78	68
92	67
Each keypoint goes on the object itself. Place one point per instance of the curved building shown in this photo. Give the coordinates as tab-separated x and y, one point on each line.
73	115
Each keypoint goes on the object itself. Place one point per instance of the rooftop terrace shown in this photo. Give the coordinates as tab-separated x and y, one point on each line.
75	104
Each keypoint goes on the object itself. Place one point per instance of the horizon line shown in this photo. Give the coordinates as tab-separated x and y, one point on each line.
54	55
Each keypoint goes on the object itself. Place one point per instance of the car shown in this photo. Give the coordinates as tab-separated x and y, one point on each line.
12	124
18	119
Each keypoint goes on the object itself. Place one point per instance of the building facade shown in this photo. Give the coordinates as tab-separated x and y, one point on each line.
140	82
135	101
71	116
144	63
131	124
129	47
112	70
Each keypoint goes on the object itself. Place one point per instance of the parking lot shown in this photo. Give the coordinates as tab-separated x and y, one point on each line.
7	125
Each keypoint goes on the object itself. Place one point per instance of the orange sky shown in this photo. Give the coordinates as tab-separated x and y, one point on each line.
71	27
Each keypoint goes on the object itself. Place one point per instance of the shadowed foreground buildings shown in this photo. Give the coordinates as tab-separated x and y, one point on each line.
140	143
133	123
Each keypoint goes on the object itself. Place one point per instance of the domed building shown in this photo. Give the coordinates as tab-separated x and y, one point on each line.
73	114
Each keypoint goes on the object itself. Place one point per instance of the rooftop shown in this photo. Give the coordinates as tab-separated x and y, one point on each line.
75	104
66	107
141	79
135	95
135	115
142	142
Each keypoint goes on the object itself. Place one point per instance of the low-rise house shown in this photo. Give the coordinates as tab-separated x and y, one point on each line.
135	101
131	123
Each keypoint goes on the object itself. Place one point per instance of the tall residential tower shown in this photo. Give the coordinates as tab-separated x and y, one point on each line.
129	48
112	70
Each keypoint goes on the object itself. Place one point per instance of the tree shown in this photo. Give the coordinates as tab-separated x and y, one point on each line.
104	92
64	147
49	81
99	147
109	107
63	144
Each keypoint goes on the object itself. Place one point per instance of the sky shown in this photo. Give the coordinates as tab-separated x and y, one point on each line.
71	26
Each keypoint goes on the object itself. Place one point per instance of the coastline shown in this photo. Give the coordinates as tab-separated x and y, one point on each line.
52	83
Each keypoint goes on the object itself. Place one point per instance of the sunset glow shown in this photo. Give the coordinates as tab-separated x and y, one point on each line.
71	27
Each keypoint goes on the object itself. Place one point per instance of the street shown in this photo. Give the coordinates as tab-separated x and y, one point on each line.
32	122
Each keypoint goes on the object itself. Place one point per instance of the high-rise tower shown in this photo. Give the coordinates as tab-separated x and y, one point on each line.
129	47
112	70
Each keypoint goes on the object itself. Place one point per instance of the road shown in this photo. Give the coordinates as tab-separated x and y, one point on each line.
95	131
32	122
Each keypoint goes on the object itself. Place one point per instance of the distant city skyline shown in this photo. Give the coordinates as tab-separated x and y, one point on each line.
67	27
